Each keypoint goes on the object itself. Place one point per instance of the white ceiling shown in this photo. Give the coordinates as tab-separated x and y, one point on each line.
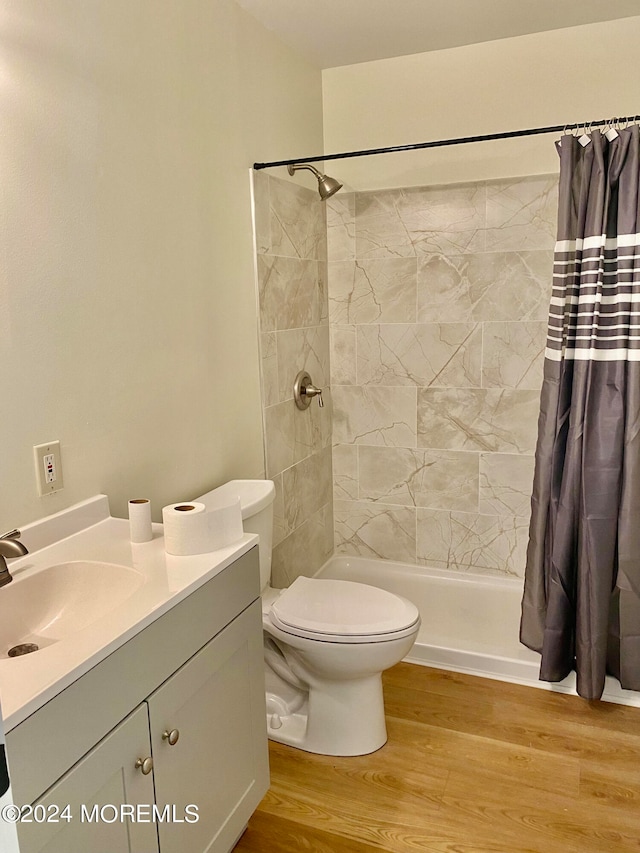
343	32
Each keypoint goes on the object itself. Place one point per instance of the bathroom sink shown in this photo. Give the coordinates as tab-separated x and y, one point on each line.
56	602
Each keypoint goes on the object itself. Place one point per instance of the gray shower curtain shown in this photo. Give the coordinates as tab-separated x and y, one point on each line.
581	604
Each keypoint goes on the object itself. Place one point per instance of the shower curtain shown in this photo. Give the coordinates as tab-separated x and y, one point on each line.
581	604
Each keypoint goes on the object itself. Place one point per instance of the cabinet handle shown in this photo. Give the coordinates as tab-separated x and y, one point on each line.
145	765
171	737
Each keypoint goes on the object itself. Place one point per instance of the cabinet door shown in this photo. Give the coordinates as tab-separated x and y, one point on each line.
220	761
105	778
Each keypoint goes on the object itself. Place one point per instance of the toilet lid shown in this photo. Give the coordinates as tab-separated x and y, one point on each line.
333	607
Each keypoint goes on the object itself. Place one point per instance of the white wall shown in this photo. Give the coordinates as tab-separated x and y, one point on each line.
570	75
127	296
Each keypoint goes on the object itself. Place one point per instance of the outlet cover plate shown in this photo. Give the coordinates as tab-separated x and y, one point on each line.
48	464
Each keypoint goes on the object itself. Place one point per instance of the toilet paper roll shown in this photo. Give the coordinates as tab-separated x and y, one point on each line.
140	520
192	527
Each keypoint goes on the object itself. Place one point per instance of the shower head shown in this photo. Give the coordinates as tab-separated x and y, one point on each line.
326	186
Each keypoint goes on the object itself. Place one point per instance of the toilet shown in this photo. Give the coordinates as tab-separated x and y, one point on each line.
326	645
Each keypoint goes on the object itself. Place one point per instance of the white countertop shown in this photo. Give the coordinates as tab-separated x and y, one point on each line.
88	532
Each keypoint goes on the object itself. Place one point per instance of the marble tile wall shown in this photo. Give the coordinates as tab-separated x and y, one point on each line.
438	300
290	233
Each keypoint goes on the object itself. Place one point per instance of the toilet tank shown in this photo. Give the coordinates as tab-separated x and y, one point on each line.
256	503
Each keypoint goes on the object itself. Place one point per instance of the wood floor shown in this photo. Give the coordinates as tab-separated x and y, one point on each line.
471	766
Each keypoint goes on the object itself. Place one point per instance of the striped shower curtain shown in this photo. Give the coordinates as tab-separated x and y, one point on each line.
581	604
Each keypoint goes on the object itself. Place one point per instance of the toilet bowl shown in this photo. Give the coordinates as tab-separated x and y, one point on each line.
326	645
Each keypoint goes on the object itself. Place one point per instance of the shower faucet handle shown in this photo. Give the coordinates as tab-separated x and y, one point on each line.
312	391
304	391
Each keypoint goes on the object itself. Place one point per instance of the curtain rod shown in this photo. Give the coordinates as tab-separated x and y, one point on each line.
461	140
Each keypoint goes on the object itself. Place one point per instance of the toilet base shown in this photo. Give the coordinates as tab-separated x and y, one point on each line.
335	718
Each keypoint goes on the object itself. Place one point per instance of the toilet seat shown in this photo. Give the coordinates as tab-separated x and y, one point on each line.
336	611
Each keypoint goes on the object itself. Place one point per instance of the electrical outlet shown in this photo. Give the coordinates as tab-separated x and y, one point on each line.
48	467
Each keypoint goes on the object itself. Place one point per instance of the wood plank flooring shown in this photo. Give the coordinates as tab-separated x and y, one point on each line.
471	766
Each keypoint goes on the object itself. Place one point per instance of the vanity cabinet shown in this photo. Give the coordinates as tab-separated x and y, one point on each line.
202	723
106	775
212	764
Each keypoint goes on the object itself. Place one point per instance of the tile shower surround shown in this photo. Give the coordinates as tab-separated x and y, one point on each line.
290	231
427	330
438	300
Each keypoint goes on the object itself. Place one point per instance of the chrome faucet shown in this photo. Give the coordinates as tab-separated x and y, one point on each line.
9	547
